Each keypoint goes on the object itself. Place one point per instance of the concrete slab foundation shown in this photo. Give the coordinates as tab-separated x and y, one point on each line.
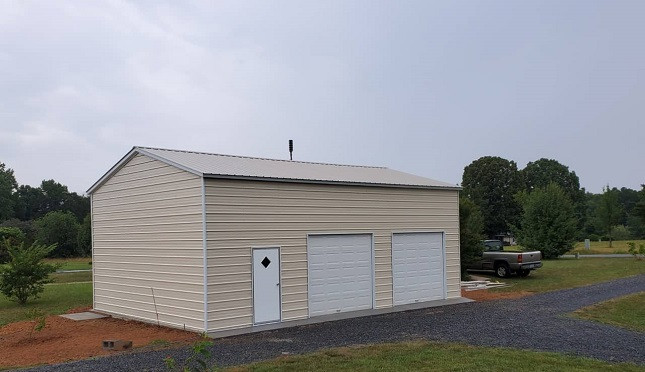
87	315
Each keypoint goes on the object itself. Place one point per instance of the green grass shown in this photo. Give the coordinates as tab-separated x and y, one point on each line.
618	246
569	272
627	312
425	356
78	263
56	299
85	276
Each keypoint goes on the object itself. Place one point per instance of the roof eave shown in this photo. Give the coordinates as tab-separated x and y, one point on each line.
329	182
127	157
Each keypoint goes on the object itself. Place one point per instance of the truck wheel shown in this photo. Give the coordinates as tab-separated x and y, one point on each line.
524	273
502	270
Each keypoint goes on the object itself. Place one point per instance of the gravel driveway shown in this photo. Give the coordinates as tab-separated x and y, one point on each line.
536	322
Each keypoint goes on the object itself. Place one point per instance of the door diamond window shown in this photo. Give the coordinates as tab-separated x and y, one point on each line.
266	262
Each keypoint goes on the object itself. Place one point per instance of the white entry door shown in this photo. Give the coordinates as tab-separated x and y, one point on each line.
340	273
266	285
417	267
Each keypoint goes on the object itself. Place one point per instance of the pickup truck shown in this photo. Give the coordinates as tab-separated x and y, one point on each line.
504	263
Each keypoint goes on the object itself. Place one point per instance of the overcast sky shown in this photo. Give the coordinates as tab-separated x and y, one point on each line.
424	87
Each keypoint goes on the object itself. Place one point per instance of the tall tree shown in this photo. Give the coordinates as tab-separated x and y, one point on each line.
55	195
471	227
608	211
548	223
59	228
542	172
491	183
28	201
8	186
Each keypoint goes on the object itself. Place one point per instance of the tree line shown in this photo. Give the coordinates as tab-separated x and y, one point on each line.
49	214
543	206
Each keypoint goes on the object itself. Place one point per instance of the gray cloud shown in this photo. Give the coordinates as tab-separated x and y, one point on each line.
421	87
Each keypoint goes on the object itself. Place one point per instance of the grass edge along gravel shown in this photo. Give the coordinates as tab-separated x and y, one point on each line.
565	273
627	312
433	356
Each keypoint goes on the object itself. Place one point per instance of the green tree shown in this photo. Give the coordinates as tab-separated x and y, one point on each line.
542	172
548	222
14	236
8	186
471	227
26	274
54	196
491	183
27	202
84	239
608	212
60	228
27	227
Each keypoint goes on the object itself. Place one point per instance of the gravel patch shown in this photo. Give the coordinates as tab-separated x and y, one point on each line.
537	322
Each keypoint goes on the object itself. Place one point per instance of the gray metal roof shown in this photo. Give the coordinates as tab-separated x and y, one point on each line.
230	166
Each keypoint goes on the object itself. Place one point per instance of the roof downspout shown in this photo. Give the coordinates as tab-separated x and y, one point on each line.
205	258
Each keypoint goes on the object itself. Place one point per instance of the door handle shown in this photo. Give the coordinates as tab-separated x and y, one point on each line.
277	283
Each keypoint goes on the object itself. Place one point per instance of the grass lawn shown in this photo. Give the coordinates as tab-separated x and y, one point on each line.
569	272
84	276
627	312
78	263
57	299
427	356
618	246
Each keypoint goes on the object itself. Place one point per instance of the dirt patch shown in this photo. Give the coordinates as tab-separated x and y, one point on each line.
486	295
63	340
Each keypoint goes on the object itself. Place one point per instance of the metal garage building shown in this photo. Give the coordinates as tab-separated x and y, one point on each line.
229	244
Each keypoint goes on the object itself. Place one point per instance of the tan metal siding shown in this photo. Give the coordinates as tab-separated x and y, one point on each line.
243	214
147	233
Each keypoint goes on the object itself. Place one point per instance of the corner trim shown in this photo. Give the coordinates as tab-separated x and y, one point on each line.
205	252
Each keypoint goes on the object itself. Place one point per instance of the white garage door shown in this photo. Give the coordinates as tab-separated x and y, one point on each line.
340	273
417	267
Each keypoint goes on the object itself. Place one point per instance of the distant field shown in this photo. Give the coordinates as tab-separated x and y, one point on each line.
77	263
618	246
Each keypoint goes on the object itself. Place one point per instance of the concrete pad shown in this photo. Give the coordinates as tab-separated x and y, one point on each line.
87	315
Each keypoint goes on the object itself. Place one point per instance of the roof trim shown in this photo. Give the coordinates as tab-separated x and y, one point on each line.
126	158
143	151
259	158
327	182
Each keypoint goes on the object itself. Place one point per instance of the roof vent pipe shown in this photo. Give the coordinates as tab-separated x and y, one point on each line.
290	149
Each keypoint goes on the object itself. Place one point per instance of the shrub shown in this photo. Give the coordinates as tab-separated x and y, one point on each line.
25	275
620	232
548	223
14	235
636	251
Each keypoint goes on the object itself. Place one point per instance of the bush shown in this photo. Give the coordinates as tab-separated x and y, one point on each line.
594	237
548	223
27	227
14	235
60	228
620	232
26	274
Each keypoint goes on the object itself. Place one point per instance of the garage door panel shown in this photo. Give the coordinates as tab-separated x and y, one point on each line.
340	273
417	267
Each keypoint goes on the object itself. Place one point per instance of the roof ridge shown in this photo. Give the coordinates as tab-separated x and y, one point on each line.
258	158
